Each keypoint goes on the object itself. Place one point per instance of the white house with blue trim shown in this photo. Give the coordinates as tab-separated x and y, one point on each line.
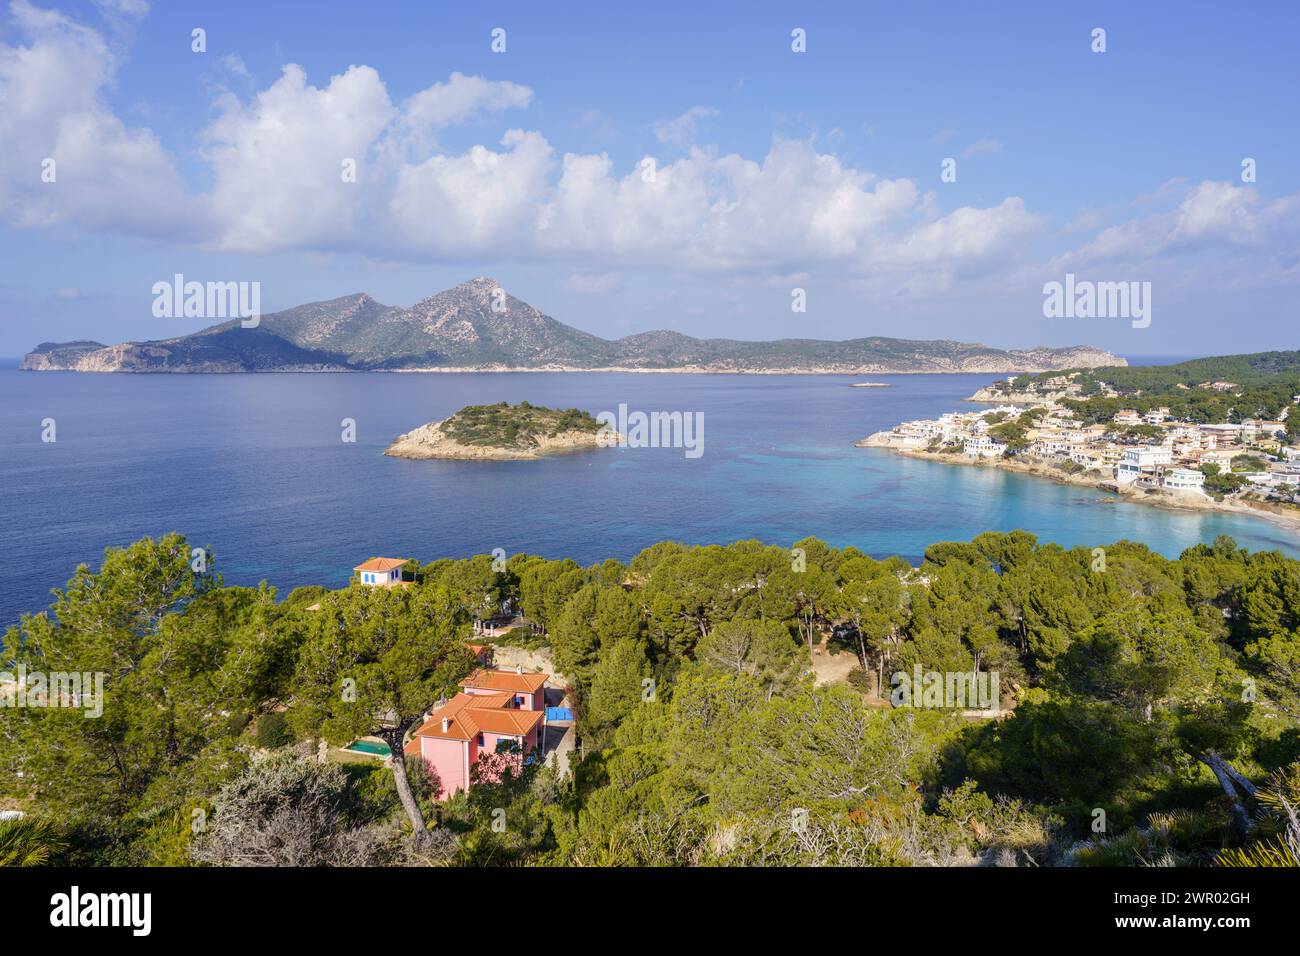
380	572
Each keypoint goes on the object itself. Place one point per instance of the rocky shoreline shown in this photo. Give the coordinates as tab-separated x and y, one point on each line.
1160	498
993	396
143	360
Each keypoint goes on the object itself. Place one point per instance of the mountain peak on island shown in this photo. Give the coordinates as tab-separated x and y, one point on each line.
477	286
472	326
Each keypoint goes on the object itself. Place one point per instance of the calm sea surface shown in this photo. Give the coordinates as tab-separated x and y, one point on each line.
254	467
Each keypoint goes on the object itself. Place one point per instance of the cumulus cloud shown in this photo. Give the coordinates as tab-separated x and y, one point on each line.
278	187
280	160
478	202
1216	219
341	166
67	157
462	97
723	212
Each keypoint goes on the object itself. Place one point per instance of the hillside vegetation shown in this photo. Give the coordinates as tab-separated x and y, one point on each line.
1257	385
514	426
1133	680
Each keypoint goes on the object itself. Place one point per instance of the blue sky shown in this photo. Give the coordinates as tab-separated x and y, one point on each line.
774	170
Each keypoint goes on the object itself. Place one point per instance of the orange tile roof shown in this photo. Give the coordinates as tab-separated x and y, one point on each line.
509	681
489	701
512	723
380	564
469	715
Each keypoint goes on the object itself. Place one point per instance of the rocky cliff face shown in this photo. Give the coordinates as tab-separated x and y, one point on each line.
476	325
52	356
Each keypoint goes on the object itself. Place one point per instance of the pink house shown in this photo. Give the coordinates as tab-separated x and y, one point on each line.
476	722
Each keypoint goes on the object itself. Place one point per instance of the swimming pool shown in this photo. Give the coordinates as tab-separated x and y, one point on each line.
370	748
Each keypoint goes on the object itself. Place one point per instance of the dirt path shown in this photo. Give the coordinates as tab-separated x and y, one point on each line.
832	668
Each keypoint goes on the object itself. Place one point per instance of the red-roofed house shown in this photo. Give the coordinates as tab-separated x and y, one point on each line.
482	653
380	572
478	721
529	690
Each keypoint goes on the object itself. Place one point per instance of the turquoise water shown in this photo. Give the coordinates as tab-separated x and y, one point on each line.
253	466
369	747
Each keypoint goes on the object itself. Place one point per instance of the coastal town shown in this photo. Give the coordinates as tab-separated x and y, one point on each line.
1152	454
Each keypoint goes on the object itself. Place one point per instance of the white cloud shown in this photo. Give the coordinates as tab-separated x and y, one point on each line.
277	162
279	187
52	107
1217	216
680	132
130	8
982	147
478	202
718	212
122	15
461	98
233	65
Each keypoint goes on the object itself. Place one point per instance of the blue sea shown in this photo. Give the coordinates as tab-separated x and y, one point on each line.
255	467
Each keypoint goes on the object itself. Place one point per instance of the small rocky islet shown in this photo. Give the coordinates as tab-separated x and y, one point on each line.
501	432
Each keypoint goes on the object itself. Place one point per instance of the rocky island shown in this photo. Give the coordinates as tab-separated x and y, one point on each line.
500	432
478	326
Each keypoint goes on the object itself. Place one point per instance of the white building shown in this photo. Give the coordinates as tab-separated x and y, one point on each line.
1053	446
1219	456
1184	479
1188	433
1142	461
1225	432
1253	429
380	572
907	438
983	447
